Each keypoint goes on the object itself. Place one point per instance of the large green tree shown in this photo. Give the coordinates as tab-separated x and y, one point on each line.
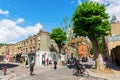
90	19
59	36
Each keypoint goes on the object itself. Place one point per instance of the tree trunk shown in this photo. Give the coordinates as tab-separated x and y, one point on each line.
99	63
59	49
105	50
59	56
95	46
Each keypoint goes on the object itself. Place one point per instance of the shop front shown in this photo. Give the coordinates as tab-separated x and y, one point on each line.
31	57
7	58
83	53
28	58
23	56
1	58
18	57
41	57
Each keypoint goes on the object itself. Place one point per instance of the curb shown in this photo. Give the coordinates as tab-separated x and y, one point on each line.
106	76
9	77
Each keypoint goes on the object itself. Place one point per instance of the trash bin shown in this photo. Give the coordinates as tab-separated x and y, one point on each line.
4	70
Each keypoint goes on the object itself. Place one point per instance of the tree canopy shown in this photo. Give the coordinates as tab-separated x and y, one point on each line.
90	19
59	36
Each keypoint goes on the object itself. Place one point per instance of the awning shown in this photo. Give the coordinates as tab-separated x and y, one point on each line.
1	55
31	54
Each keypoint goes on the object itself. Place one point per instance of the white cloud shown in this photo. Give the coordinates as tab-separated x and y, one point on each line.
20	20
4	12
33	29
10	31
112	7
79	1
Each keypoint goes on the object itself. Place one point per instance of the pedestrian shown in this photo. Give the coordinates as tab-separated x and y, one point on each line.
31	67
47	60
68	61
78	66
26	64
43	60
55	64
50	62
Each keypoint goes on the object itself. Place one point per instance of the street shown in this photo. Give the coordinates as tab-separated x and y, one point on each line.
47	72
59	74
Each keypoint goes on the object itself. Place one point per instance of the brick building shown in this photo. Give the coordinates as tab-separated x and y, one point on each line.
113	43
26	48
78	47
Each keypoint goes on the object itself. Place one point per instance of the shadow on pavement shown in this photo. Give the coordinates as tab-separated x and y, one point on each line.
88	66
32	74
112	66
8	65
72	66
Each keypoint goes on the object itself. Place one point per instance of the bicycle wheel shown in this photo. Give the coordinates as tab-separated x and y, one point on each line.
85	74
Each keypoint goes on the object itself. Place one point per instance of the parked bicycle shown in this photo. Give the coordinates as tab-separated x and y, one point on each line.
83	72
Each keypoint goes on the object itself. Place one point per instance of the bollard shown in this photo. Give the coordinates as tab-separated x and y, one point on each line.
4	70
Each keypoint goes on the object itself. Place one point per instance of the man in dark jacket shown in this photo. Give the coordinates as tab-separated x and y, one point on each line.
55	64
31	67
78	66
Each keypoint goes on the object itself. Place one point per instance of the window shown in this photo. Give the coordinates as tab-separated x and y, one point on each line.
38	37
31	41
26	43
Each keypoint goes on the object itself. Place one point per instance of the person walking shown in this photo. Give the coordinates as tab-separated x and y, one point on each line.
47	60
78	66
55	64
31	67
43	60
26	64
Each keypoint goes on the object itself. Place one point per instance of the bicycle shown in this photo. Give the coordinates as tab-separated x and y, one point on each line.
83	72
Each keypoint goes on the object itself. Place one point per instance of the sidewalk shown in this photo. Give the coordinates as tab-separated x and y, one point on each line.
107	76
8	76
41	68
38	69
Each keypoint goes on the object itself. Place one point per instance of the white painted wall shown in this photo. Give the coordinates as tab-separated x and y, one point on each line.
39	56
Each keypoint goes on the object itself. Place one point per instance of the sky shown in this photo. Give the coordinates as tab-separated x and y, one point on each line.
20	19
